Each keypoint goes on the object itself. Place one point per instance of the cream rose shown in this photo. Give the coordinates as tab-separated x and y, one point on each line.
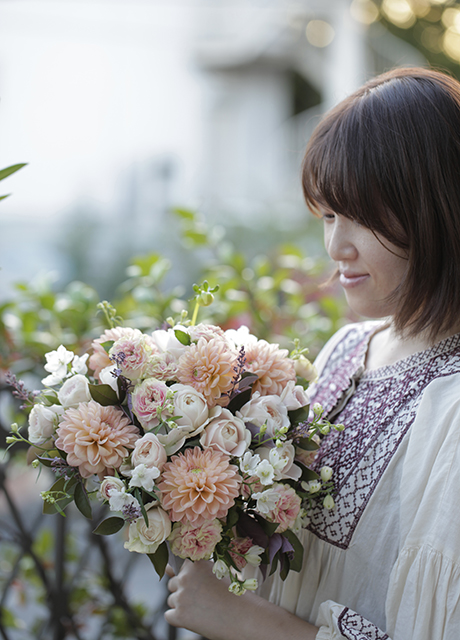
43	422
282	460
191	406
148	450
294	396
73	391
147	539
225	432
265	410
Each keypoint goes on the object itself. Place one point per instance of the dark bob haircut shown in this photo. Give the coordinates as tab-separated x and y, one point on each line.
388	157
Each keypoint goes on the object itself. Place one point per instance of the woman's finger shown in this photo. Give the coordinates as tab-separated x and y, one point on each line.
170	571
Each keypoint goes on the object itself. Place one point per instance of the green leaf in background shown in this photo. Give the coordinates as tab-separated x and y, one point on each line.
4	173
159	559
109	526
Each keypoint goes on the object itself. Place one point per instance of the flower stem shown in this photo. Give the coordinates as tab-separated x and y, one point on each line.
195	313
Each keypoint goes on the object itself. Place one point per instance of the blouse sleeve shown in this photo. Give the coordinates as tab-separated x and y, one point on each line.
423	599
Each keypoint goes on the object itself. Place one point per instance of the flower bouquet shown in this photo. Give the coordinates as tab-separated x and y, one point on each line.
198	439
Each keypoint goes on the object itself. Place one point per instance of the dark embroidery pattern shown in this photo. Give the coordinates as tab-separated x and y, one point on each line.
353	627
377	417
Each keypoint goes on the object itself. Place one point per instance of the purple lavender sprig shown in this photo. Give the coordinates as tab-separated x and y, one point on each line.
64	470
20	391
239	369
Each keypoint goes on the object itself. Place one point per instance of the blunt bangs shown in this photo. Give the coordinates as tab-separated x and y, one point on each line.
388	157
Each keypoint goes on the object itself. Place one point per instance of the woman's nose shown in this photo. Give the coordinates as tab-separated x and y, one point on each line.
339	241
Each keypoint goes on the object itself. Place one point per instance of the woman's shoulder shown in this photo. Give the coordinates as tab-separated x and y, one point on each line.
345	341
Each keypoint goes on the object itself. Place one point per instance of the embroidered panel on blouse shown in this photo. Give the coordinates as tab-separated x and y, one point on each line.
377	416
354	627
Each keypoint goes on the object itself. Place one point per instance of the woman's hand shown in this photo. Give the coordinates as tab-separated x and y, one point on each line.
203	604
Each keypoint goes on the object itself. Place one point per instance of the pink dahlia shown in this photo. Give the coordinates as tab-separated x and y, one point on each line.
188	540
208	366
199	485
272	365
95	438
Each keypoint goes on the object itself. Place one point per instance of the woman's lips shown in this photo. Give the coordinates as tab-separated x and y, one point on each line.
350	280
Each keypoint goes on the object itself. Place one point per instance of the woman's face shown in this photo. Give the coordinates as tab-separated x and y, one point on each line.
370	267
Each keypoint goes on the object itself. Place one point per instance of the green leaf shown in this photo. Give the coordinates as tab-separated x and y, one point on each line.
109	526
185	214
268	527
107	345
4	173
104	394
3	197
183	337
299	415
296	562
82	501
63	485
307	445
159	559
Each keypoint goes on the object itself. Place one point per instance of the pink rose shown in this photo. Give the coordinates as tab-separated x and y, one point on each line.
282	505
148	450
294	396
100	358
267	410
238	549
227	433
196	543
148	398
131	355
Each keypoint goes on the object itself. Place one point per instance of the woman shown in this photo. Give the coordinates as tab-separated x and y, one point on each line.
383	171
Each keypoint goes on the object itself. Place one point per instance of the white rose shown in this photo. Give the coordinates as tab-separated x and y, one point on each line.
43	422
111	485
191	406
166	341
73	391
265	410
240	337
147	539
227	433
148	450
294	396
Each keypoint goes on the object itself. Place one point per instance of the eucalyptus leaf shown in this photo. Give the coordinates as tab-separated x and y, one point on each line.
159	559
109	526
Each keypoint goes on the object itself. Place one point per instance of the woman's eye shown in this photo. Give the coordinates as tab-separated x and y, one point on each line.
328	217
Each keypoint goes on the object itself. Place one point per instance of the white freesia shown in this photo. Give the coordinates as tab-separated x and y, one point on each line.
294	396
147	539
43	421
312	486
266	500
265	472
120	500
326	473
252	557
251	584
220	569
249	462
74	390
79	364
144	477
282	460
305	369
56	365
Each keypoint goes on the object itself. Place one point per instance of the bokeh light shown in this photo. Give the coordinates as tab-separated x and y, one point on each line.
319	33
399	12
364	11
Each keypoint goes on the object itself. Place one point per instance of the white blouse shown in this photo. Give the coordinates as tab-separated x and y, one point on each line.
385	562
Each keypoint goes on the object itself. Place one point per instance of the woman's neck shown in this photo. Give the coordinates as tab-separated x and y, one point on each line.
387	346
